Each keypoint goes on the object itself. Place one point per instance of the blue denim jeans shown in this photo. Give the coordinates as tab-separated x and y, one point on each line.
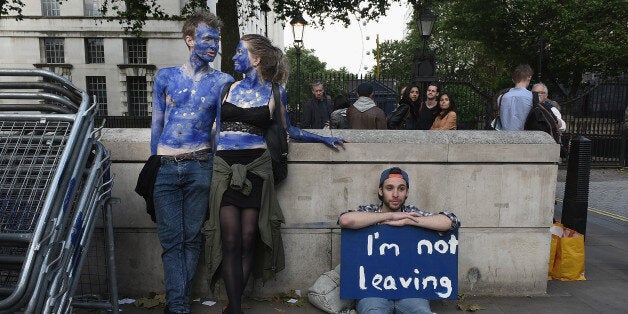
181	198
401	306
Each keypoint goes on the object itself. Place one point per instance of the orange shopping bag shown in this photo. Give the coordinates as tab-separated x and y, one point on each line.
556	230
568	261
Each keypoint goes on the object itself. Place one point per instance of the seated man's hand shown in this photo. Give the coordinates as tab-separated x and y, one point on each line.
400	222
403	219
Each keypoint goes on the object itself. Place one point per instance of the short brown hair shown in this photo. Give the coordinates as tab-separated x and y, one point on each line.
521	73
200	17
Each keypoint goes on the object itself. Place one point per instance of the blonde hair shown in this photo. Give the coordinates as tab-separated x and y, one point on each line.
273	64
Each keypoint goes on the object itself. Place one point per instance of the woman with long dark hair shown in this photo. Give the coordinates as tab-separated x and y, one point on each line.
245	216
406	115
446	119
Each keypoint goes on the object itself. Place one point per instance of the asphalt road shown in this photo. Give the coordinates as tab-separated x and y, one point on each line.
608	196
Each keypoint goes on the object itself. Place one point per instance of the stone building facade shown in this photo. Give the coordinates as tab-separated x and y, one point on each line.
73	39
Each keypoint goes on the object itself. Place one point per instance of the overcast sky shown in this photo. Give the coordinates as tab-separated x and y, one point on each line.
348	47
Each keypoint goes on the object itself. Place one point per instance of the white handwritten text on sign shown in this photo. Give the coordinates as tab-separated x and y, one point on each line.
398	262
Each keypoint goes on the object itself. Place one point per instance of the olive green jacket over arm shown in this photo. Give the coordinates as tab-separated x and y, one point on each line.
269	253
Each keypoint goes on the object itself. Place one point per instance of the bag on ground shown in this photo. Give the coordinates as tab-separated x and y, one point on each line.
325	293
568	260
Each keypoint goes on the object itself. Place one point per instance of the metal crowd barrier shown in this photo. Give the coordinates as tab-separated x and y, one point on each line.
97	287
54	183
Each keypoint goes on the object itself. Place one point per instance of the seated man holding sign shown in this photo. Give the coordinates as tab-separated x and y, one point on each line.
395	289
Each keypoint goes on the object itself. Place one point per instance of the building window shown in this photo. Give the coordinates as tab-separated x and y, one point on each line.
94	50
92	7
137	95
53	50
50	8
135	51
96	87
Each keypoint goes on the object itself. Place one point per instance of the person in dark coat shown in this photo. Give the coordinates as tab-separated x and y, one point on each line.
406	114
339	115
317	110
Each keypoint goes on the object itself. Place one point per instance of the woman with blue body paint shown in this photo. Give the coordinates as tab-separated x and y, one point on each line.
185	103
242	232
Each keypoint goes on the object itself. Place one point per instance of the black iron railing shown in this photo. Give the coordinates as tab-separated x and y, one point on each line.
598	113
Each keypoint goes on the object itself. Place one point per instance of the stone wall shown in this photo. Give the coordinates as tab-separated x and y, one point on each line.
500	184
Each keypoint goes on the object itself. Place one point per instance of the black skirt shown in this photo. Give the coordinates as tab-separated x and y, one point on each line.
236	198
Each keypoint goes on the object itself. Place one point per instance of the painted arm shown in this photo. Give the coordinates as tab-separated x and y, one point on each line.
159	105
304	136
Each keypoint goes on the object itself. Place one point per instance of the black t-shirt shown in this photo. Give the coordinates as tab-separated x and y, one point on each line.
427	116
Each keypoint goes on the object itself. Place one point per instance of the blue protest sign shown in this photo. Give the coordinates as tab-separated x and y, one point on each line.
398	262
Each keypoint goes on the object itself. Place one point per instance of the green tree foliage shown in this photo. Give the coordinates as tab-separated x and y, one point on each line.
579	36
10	7
483	40
133	15
396	57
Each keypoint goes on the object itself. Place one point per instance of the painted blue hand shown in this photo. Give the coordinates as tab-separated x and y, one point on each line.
308	137
334	142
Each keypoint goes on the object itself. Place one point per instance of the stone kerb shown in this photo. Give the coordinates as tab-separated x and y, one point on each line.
500	184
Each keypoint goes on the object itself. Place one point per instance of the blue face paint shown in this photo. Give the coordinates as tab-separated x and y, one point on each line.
206	42
242	62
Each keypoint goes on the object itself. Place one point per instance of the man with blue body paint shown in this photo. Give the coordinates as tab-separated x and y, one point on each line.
185	106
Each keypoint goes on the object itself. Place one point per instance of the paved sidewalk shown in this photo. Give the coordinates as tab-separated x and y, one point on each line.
606	267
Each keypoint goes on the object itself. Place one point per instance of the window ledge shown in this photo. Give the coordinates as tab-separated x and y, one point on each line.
53	65
137	66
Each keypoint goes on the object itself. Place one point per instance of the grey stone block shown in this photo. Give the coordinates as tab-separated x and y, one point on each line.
501	185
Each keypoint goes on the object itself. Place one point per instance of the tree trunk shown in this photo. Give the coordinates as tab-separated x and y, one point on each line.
227	10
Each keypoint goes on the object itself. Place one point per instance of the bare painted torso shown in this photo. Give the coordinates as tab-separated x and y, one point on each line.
185	106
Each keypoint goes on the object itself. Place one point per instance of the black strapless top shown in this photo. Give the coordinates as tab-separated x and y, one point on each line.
255	116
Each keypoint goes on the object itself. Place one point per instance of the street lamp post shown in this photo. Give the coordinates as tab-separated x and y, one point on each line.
541	45
265	8
424	65
298	27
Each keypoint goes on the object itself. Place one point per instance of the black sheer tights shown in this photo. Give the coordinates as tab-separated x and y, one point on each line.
238	228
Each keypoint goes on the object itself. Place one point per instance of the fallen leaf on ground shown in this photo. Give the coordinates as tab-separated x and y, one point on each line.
470	307
149	303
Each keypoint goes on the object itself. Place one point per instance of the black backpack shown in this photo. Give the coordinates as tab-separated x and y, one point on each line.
276	137
542	119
